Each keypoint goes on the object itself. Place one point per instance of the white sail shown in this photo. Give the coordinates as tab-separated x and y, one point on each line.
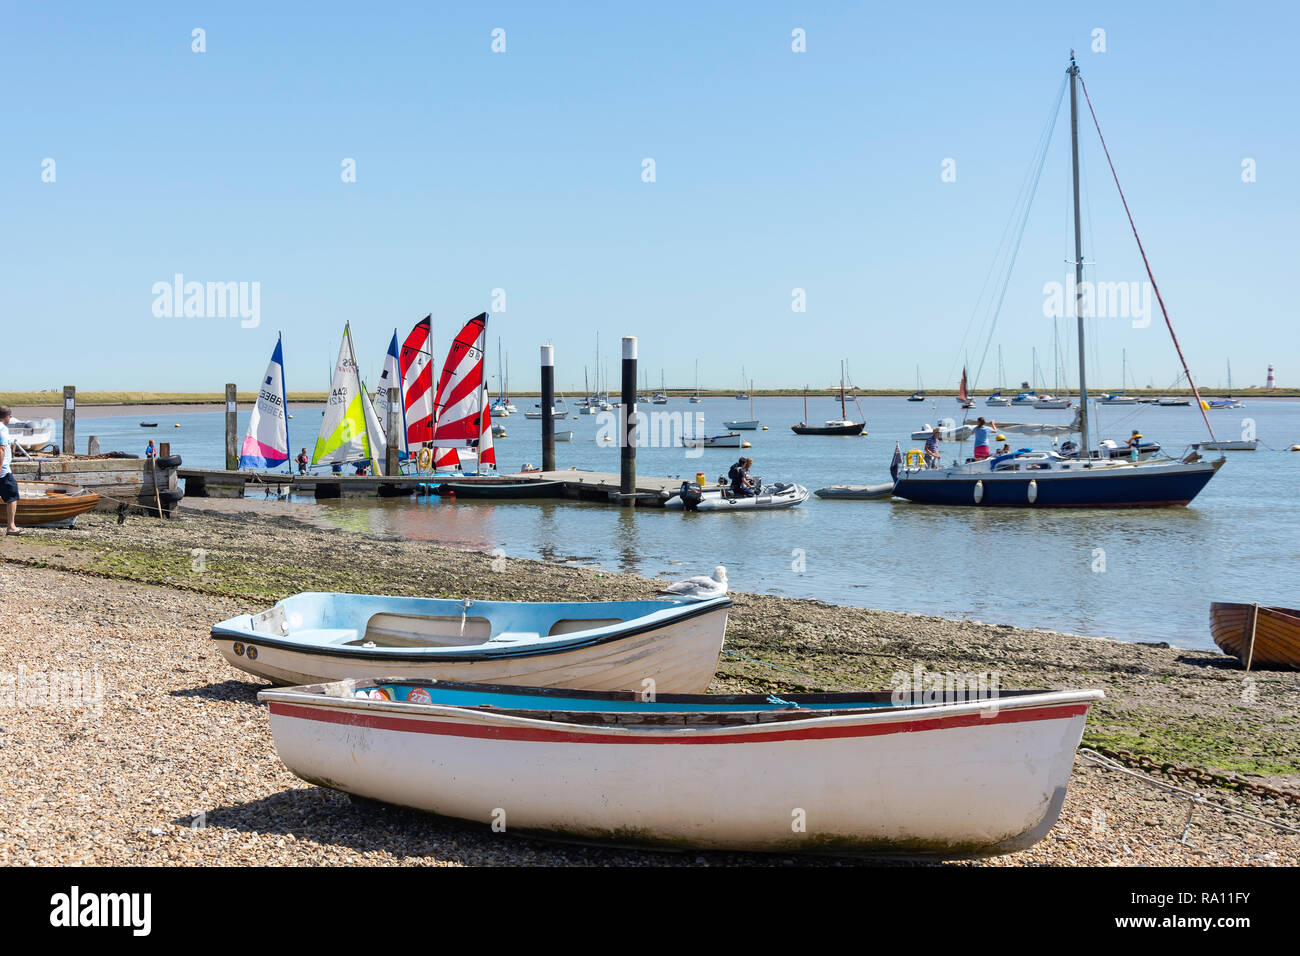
391	377
343	427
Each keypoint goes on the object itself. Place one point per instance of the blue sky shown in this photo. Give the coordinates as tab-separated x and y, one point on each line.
522	171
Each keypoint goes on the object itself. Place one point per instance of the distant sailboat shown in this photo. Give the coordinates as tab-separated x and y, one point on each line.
842	426
751	424
963	398
695	399
266	443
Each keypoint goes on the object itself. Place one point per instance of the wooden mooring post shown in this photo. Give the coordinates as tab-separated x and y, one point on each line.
232	428
393	433
69	445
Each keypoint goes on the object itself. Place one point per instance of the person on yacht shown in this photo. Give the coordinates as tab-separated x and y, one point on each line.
932	450
981	438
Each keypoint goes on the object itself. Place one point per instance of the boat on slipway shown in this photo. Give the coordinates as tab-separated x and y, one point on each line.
863	773
593	645
33	435
1257	634
1030	478
720	498
52	504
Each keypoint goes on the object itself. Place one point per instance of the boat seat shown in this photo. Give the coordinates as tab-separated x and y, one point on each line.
514	637
326	635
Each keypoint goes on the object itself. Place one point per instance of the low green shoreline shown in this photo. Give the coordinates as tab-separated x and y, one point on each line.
47	399
1184	706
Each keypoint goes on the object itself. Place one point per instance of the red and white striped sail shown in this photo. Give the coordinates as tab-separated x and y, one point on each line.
416	366
462	419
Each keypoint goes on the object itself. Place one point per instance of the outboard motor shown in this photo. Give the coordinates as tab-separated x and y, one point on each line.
690	495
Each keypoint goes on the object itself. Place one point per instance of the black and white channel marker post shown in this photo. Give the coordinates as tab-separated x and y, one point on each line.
548	408
627	437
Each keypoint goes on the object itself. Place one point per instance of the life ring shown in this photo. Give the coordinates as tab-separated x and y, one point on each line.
915	458
424	459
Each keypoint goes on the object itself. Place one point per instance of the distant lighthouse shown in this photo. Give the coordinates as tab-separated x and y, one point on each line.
1270	383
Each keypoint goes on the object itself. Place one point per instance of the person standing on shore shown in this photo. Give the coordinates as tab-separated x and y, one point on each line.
8	483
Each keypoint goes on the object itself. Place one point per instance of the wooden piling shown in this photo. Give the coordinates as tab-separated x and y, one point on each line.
69	445
232	428
393	430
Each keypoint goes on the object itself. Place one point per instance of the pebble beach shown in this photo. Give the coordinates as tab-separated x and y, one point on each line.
166	757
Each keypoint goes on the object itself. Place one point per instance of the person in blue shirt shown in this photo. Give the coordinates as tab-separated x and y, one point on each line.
981	436
8	483
150	451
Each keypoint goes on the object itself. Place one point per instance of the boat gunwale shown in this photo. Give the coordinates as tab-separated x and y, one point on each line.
502	724
545	645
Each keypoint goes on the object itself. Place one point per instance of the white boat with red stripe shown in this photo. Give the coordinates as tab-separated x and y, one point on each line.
841	773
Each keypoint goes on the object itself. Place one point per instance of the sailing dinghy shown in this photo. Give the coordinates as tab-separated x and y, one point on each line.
974	774
349	428
594	645
266	443
462	435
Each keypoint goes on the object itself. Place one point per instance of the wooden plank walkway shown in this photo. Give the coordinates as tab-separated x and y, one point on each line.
578	484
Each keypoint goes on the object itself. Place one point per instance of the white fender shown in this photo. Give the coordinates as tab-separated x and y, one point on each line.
1033	490
979	491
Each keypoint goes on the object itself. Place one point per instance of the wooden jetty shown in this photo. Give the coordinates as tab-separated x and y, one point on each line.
578	484
139	483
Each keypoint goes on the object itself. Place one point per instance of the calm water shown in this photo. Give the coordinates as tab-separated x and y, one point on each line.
1140	575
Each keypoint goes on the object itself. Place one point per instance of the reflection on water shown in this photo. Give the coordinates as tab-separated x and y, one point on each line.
1138	574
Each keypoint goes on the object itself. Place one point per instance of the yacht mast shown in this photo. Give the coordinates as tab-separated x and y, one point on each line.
1078	255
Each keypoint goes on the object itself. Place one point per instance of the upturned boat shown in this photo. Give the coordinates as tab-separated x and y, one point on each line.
596	645
880	492
840	773
1257	634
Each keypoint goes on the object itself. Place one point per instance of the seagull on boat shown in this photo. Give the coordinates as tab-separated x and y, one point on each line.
700	587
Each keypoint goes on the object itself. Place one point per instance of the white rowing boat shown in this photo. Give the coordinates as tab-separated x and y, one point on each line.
841	773
612	645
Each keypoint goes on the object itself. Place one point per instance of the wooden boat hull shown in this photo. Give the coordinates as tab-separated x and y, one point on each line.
1277	634
854	428
958	779
713	441
677	650
49	503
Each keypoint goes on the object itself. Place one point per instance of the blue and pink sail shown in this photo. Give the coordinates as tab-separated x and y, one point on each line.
266	443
